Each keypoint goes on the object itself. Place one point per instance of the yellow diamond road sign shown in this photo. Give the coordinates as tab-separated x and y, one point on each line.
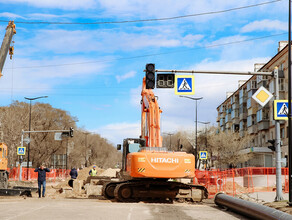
262	96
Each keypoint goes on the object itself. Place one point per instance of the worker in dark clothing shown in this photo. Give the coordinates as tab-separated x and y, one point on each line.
73	173
42	178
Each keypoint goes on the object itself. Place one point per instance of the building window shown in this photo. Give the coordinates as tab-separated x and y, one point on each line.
281	85
249	121
262	114
248	103
259	78
271	87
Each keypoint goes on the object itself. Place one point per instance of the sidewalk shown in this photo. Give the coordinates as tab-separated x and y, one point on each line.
267	196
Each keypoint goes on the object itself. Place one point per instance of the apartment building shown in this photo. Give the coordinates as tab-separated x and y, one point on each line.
240	113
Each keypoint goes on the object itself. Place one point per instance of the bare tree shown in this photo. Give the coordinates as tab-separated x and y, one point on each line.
227	147
15	117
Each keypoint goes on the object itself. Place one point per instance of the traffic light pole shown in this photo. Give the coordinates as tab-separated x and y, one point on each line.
47	131
279	196
277	123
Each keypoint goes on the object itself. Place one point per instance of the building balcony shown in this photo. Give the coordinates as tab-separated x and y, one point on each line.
235	120
242	116
263	125
252	111
228	125
252	129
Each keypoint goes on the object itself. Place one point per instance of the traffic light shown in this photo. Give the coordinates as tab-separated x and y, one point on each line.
150	76
71	132
165	80
272	147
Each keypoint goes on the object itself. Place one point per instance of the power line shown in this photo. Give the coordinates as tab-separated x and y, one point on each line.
148	55
145	20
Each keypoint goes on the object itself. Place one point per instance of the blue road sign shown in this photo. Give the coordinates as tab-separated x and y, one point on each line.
21	151
184	84
281	109
203	155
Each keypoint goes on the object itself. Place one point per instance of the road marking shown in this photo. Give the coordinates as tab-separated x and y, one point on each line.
24	213
130	213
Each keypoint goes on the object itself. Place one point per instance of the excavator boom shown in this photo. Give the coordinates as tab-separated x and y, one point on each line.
150	118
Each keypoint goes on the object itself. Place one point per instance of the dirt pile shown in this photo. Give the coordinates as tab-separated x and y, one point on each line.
230	186
282	206
84	173
109	172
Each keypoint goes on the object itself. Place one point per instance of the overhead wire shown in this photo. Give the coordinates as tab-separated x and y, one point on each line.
148	55
144	20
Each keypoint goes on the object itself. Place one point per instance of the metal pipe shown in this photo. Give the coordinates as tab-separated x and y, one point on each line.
250	209
216	72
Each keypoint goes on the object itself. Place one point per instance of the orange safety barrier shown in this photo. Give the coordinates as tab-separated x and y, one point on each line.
29	174
241	180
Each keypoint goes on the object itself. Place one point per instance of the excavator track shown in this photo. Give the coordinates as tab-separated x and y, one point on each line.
153	190
108	189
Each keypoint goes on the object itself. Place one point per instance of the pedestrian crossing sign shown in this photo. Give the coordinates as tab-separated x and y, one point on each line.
203	155
281	110
21	150
184	84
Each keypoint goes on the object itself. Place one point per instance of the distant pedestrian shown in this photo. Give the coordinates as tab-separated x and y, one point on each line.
73	173
93	171
42	178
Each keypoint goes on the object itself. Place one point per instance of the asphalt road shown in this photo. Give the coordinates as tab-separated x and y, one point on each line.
46	208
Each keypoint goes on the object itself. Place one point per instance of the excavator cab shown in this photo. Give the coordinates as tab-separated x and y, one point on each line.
131	145
3	166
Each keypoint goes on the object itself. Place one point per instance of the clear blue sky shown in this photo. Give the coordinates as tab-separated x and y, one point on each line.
95	71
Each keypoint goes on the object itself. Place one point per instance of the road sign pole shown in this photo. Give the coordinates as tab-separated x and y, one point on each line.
279	196
20	158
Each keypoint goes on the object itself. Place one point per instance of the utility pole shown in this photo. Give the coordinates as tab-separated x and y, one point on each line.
196	148
86	151
29	128
289	109
279	196
277	125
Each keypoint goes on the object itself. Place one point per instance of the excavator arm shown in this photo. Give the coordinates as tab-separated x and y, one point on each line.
5	47
150	118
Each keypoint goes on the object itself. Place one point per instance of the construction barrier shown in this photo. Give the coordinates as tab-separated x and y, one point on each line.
29	174
243	180
232	181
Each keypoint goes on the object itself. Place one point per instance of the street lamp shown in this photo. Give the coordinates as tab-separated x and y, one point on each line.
86	156
169	139
29	127
196	99
205	123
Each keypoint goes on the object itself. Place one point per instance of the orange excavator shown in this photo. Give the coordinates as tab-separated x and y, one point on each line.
149	171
